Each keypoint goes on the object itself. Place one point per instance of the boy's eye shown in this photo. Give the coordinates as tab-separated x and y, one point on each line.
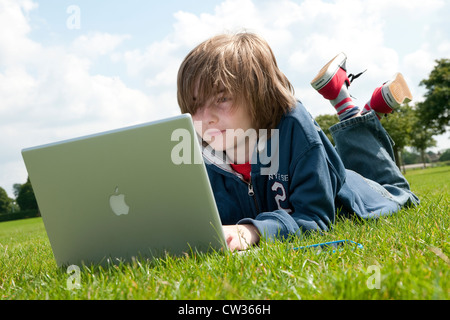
222	99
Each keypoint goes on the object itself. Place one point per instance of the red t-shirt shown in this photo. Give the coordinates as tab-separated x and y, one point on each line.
243	169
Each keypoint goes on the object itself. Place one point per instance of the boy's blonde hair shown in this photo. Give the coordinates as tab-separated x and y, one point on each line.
242	65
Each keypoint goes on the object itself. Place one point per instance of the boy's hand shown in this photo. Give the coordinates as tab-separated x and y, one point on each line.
241	237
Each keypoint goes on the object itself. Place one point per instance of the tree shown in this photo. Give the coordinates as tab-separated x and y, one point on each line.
421	137
5	202
445	156
325	121
399	126
409	157
25	197
16	189
434	111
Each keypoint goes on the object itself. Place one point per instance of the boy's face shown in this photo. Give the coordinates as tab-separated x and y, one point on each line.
225	127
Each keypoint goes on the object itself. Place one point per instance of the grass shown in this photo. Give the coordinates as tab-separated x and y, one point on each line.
405	256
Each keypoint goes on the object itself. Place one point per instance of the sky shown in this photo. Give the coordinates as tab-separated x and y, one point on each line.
73	68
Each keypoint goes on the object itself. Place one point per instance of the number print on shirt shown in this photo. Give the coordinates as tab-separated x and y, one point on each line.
280	197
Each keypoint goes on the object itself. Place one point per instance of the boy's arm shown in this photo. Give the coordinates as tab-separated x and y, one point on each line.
313	188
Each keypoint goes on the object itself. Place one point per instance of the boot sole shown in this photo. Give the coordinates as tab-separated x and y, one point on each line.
396	91
328	71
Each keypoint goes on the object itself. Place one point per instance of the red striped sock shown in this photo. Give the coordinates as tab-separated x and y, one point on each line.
344	105
367	108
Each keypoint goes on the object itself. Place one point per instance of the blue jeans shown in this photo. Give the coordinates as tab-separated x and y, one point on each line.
366	148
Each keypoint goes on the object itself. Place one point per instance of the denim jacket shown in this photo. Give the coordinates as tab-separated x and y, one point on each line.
298	183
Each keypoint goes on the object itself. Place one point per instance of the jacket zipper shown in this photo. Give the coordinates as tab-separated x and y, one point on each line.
251	193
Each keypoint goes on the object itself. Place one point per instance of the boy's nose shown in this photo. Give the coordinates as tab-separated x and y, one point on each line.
207	115
210	115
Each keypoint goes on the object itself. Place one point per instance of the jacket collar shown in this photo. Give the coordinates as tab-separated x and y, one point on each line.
220	160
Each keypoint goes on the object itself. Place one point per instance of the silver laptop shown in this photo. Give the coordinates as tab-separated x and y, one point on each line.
140	191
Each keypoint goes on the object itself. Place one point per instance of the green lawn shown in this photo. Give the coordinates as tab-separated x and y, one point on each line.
404	257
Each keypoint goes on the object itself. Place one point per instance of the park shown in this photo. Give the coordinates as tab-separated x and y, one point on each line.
406	253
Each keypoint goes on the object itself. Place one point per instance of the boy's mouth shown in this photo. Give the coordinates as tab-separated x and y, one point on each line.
214	132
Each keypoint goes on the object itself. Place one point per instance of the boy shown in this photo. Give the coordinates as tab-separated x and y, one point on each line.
272	169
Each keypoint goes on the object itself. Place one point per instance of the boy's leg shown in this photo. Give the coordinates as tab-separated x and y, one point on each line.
366	148
374	158
362	143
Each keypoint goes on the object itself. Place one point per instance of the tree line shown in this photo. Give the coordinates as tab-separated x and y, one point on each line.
23	205
415	125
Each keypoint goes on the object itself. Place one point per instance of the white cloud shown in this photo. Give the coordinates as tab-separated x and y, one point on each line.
14	44
228	16
49	94
303	35
419	63
156	56
412	7
96	44
443	48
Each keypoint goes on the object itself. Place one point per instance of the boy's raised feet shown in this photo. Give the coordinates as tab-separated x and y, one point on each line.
389	96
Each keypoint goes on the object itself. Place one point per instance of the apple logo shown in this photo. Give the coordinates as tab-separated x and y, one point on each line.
117	203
